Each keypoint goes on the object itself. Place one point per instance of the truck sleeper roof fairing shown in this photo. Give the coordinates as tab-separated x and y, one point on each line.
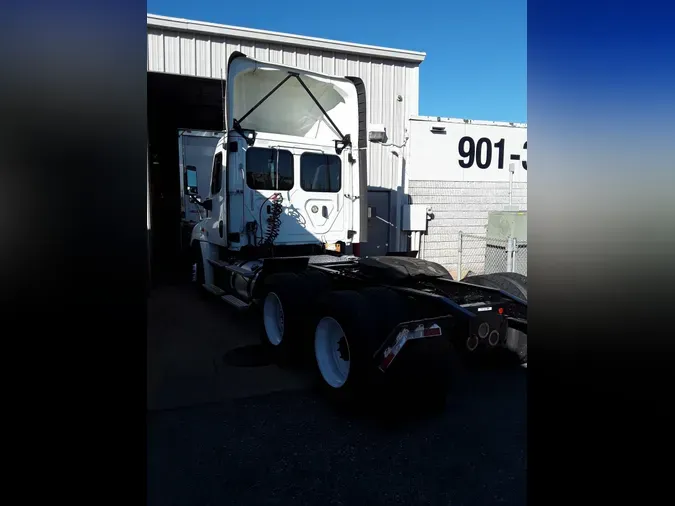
270	98
322	109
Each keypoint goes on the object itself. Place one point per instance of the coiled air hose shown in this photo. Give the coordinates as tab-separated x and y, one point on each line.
274	218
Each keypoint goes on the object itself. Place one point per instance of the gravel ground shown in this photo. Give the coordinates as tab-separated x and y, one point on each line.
292	448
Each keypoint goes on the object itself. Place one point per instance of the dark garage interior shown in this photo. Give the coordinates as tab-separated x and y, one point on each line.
174	102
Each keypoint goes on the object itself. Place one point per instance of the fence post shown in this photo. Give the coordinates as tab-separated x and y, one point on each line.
459	257
509	254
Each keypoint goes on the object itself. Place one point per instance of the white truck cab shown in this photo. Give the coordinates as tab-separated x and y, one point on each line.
291	169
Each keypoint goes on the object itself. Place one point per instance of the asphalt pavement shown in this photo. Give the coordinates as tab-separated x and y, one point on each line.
253	434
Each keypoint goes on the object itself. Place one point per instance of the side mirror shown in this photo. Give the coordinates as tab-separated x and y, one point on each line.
190	183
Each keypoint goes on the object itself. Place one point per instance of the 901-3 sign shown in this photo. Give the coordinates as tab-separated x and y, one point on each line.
480	153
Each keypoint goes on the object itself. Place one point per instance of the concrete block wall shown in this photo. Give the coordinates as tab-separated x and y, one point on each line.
460	206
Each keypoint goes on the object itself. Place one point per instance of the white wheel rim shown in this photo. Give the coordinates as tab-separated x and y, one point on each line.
273	318
332	352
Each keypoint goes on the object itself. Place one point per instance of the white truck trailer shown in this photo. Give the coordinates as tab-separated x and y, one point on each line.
287	194
195	158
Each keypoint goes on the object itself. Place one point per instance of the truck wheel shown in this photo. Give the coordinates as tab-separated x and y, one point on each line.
350	328
517	280
515	276
314	285
288	302
279	316
502	280
344	341
388	308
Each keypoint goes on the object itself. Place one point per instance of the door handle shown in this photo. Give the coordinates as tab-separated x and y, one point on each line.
324	211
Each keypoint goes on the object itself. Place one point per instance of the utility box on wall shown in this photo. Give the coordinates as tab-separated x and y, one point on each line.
505	224
414	218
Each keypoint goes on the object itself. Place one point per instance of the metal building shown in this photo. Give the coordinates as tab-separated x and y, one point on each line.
186	64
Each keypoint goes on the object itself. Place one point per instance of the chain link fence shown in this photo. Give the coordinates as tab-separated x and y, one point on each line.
479	254
520	257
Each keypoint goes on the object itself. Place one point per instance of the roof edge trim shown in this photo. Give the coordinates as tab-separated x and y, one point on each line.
179	24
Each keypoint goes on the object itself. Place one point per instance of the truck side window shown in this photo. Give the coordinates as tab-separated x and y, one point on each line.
269	169
217	173
320	173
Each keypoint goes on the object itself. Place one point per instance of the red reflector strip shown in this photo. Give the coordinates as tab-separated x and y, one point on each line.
404	336
432	331
387	362
390	354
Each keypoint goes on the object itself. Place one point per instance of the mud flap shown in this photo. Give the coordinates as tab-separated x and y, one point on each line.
403	334
516	338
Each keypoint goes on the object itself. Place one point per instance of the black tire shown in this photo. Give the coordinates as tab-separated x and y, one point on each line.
298	294
350	310
281	348
388	308
503	281
419	374
314	285
516	279
516	276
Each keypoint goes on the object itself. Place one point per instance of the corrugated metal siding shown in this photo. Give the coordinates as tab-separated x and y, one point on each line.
192	54
460	206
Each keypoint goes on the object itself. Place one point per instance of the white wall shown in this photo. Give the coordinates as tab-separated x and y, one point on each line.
461	197
438	155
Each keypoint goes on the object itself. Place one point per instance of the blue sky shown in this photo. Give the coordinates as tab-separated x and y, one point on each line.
476	64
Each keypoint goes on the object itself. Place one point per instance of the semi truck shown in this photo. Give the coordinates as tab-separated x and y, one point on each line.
287	197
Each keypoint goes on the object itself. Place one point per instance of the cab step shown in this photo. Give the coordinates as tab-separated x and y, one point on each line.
232	268
213	289
235	302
